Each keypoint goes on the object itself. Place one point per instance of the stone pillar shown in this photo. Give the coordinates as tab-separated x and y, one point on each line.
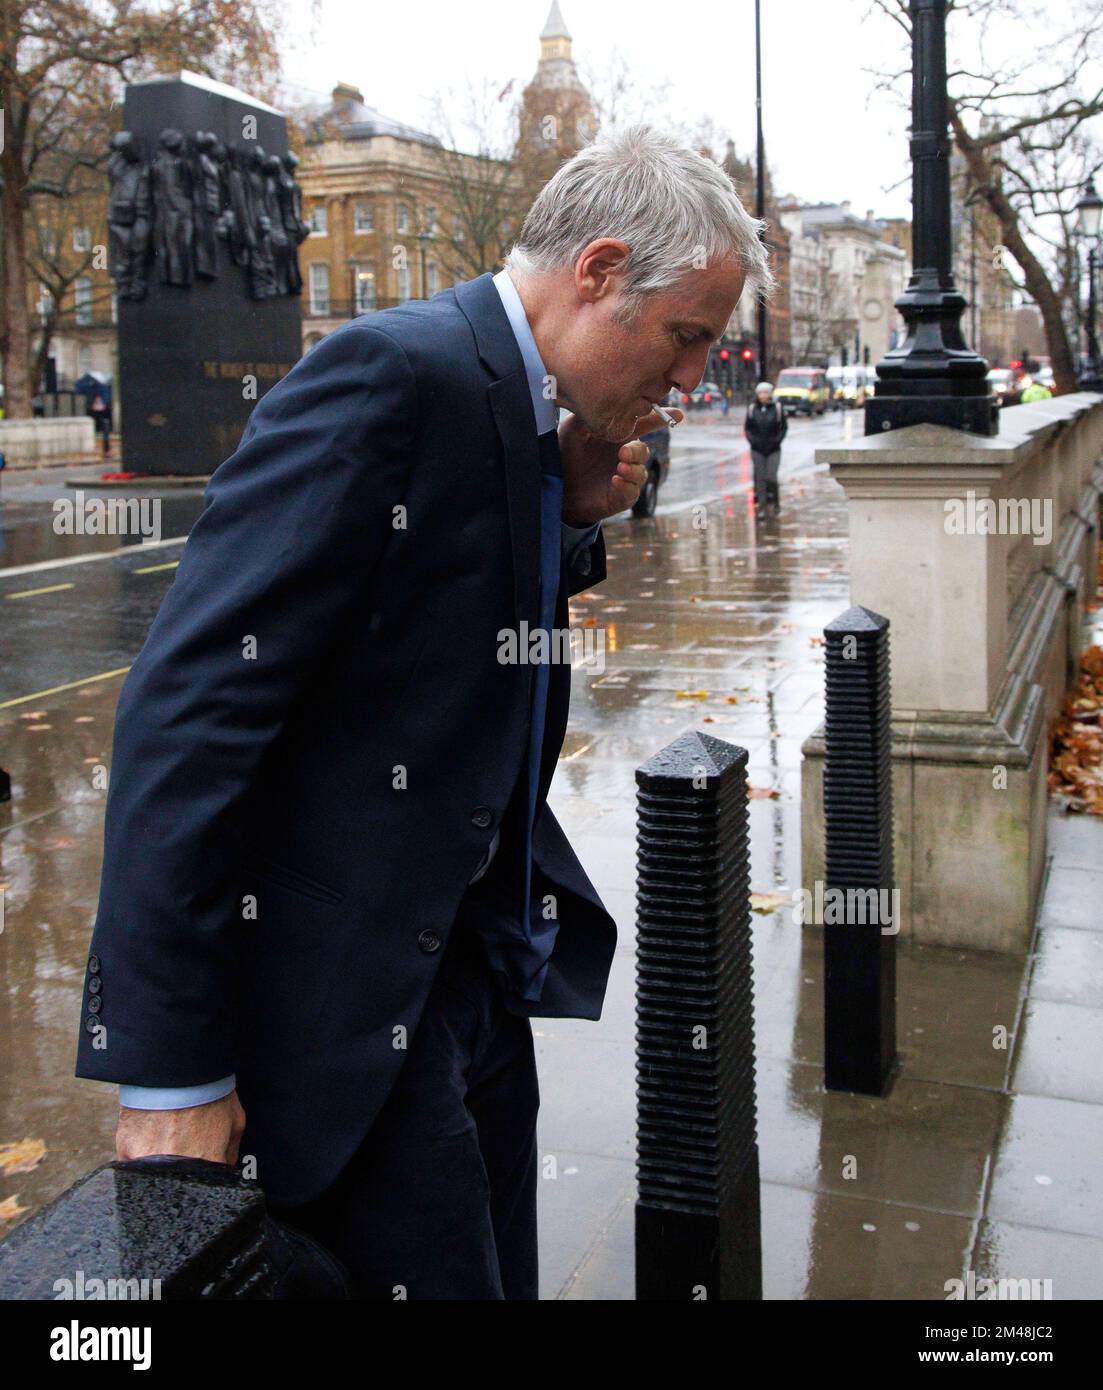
979	550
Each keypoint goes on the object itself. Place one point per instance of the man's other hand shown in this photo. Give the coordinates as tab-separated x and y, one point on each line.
212	1131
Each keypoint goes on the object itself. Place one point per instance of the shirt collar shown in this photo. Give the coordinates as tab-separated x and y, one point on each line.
545	410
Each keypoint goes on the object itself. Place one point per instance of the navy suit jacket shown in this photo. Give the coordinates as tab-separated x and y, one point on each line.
318	720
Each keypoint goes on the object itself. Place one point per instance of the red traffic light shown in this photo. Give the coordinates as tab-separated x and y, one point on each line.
748	354
1016	365
724	354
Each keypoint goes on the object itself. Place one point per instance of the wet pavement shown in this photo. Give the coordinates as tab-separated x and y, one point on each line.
980	1158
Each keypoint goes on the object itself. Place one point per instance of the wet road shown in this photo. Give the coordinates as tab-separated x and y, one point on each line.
76	606
710	622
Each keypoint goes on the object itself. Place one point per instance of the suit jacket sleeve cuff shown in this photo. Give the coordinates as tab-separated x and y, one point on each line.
174	1097
577	541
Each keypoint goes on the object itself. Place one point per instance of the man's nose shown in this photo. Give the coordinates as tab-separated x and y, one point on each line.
689	370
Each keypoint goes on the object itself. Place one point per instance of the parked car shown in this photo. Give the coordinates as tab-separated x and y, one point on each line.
702	397
1005	385
802	390
658	466
658	463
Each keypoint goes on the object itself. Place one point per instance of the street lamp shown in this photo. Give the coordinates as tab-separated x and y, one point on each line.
932	377
760	184
1088	212
423	240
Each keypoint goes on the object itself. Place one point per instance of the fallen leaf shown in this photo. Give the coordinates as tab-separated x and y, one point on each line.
21	1156
10	1208
691	694
768	902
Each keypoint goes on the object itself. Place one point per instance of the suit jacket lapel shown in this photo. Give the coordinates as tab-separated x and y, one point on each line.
511	405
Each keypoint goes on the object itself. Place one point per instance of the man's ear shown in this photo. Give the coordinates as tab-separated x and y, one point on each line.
597	268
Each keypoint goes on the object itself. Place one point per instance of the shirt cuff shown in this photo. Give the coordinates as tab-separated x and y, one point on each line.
577	540
174	1097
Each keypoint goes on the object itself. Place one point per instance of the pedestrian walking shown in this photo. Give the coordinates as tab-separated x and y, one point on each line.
765	428
101	418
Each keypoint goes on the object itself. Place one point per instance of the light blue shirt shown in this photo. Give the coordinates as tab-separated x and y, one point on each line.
576	544
575	538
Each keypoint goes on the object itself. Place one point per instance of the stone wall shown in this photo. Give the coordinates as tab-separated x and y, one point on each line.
27	442
985	636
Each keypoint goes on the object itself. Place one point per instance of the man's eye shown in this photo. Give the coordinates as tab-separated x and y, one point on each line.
684	339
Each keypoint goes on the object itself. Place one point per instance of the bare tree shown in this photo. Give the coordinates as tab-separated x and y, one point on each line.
475	128
1020	127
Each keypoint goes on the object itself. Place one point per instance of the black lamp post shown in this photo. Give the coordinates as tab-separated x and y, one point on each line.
1088	212
423	241
933	377
760	185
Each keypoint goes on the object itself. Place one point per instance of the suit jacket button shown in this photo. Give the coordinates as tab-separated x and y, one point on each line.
95	1004
95	984
482	817
93	965
429	942
91	1023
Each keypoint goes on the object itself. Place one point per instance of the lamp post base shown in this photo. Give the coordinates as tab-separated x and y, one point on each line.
975	414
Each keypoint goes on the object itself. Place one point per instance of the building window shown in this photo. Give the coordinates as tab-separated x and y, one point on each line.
365	289
84	360
319	288
45	303
457	229
404	283
319	223
363	218
82	239
432	275
402	218
48	241
431	224
82	300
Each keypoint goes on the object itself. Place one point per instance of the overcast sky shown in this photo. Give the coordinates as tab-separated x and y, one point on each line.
828	135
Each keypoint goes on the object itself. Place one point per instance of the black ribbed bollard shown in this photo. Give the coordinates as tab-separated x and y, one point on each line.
697	1213
859	910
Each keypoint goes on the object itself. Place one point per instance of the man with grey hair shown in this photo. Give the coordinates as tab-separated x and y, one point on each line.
333	893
